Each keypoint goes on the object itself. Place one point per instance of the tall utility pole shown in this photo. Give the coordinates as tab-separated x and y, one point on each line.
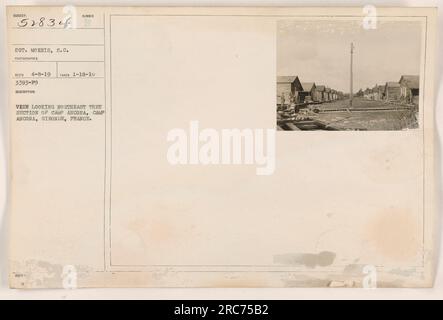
352	76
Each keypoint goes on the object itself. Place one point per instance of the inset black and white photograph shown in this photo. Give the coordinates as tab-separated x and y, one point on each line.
341	75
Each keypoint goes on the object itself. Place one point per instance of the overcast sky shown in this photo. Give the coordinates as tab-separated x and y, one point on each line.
320	52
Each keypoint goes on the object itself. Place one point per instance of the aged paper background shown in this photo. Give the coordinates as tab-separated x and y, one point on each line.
165	222
347	164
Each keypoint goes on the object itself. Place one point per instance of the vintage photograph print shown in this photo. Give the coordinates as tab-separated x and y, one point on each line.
344	75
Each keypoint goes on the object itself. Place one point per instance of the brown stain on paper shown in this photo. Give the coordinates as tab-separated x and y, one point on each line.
393	233
155	230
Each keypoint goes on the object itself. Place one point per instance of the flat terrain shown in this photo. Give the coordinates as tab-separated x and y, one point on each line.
336	115
359	103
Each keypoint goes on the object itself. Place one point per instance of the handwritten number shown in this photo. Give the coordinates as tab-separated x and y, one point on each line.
23	23
68	22
43	22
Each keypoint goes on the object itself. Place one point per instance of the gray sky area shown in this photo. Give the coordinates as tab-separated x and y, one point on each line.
319	51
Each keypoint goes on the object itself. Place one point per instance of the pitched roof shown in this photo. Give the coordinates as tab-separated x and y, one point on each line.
321	88
308	86
393	84
286	79
412	82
